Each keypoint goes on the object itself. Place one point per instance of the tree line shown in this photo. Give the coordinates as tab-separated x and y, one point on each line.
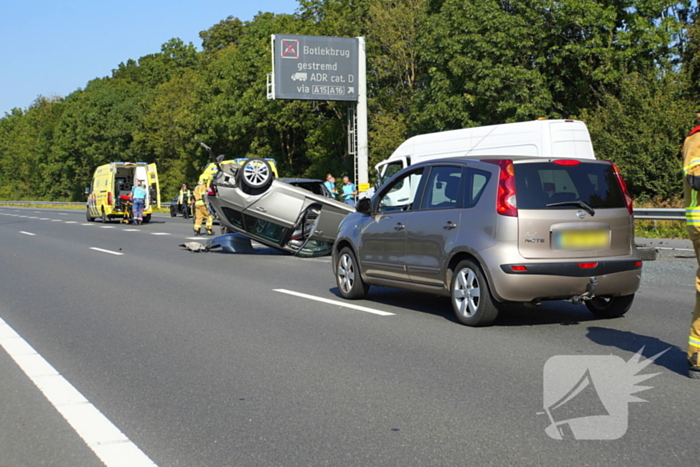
629	68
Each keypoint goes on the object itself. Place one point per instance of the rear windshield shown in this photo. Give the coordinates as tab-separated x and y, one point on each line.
545	183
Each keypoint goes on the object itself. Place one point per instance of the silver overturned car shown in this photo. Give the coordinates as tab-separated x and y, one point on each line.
250	201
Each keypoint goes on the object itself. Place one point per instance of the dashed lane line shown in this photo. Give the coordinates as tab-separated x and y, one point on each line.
71	222
335	302
106	440
56	220
159	233
116	253
27	233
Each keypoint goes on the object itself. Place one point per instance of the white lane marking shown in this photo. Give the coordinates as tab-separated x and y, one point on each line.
106	440
87	223
44	219
33	217
71	222
195	238
107	227
335	302
23	216
56	220
131	230
107	251
26	233
159	233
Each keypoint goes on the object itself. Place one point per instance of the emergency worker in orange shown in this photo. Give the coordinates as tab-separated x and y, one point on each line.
691	194
200	209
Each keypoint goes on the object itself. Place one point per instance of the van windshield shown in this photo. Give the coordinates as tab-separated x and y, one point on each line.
545	183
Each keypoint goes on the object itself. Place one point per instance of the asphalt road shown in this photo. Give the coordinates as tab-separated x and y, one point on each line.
201	360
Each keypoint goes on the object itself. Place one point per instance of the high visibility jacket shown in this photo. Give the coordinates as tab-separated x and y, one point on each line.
691	179
199	194
184	197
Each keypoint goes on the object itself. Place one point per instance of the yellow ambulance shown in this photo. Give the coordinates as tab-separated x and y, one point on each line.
111	189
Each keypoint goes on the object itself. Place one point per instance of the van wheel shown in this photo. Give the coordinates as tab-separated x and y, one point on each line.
470	296
255	173
104	216
88	216
347	276
610	307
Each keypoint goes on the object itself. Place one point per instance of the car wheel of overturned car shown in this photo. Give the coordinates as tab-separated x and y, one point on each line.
146	219
470	296
88	216
255	173
347	276
610	307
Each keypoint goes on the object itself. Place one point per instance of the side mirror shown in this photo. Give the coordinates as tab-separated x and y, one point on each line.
364	206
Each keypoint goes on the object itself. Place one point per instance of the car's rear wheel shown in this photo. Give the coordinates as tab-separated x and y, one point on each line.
88	216
470	296
610	307
347	276
255	173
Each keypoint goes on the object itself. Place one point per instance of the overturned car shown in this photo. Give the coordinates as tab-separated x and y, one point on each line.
250	201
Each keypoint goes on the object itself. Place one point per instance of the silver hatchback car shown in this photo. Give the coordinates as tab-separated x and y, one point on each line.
495	230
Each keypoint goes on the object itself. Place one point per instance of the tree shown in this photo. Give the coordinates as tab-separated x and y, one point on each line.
641	130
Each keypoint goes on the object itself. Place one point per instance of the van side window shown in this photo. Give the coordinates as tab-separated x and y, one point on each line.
401	194
442	188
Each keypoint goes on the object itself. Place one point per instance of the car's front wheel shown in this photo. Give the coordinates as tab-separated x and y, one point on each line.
470	296
347	276
88	216
256	173
610	307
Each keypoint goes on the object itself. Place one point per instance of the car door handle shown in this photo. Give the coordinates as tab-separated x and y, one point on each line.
399	226
261	209
401	200
449	226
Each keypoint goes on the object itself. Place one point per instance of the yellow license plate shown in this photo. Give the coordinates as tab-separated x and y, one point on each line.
581	240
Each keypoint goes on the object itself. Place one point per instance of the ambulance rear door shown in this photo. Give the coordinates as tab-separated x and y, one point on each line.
153	188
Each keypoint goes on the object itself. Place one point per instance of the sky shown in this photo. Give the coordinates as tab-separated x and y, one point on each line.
52	48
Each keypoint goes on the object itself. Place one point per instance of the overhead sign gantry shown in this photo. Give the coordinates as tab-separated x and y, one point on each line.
325	69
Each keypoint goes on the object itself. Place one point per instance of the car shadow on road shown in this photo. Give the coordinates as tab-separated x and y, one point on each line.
558	312
674	359
555	312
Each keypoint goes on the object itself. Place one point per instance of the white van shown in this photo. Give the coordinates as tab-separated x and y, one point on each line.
539	138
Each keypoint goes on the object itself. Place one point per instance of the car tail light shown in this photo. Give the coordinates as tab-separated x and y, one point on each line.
625	192
506	204
587	265
109	199
519	268
566	162
638	264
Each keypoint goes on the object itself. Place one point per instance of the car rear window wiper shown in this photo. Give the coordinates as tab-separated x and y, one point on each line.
581	204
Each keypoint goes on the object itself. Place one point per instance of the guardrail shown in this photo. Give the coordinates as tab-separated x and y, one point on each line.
62	203
659	214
